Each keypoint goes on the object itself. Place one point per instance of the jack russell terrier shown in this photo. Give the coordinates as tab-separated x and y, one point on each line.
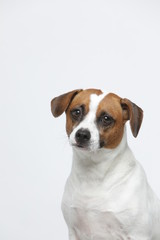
107	196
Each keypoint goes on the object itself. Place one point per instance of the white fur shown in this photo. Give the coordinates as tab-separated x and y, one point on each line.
107	196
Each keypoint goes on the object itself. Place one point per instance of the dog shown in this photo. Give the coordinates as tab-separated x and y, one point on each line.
107	196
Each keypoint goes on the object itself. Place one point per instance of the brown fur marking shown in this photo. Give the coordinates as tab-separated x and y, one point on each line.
112	135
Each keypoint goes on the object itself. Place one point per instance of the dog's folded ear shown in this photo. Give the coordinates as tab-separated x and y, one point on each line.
61	103
133	113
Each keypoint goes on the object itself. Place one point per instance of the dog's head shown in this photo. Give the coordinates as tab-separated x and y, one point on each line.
96	120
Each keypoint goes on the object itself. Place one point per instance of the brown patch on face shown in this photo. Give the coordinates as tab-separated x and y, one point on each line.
82	99
111	136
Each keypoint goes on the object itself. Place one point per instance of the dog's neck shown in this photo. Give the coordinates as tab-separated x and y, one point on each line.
95	166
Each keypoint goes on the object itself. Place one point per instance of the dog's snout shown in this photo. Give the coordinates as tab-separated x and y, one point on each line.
82	136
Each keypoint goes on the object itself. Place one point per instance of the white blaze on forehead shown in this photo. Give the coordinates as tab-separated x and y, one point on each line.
94	101
89	122
93	106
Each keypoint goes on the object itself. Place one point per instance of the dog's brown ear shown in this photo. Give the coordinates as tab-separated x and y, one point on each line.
133	113
60	104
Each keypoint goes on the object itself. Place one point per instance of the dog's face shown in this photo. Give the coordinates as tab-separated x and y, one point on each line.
96	120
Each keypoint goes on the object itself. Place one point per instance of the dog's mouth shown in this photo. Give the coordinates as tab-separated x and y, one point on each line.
88	147
81	146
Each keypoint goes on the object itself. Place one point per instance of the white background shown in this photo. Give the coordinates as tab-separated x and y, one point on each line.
51	47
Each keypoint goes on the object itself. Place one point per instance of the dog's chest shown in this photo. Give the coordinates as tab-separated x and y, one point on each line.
92	224
88	216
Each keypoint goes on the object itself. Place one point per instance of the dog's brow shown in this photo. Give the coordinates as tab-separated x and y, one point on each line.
94	101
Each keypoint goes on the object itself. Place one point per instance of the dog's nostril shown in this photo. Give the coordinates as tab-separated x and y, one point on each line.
83	135
78	135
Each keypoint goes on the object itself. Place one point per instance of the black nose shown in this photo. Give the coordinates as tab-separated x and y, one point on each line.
82	136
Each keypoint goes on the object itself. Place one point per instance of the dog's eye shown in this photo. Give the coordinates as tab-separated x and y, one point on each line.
106	120
76	113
